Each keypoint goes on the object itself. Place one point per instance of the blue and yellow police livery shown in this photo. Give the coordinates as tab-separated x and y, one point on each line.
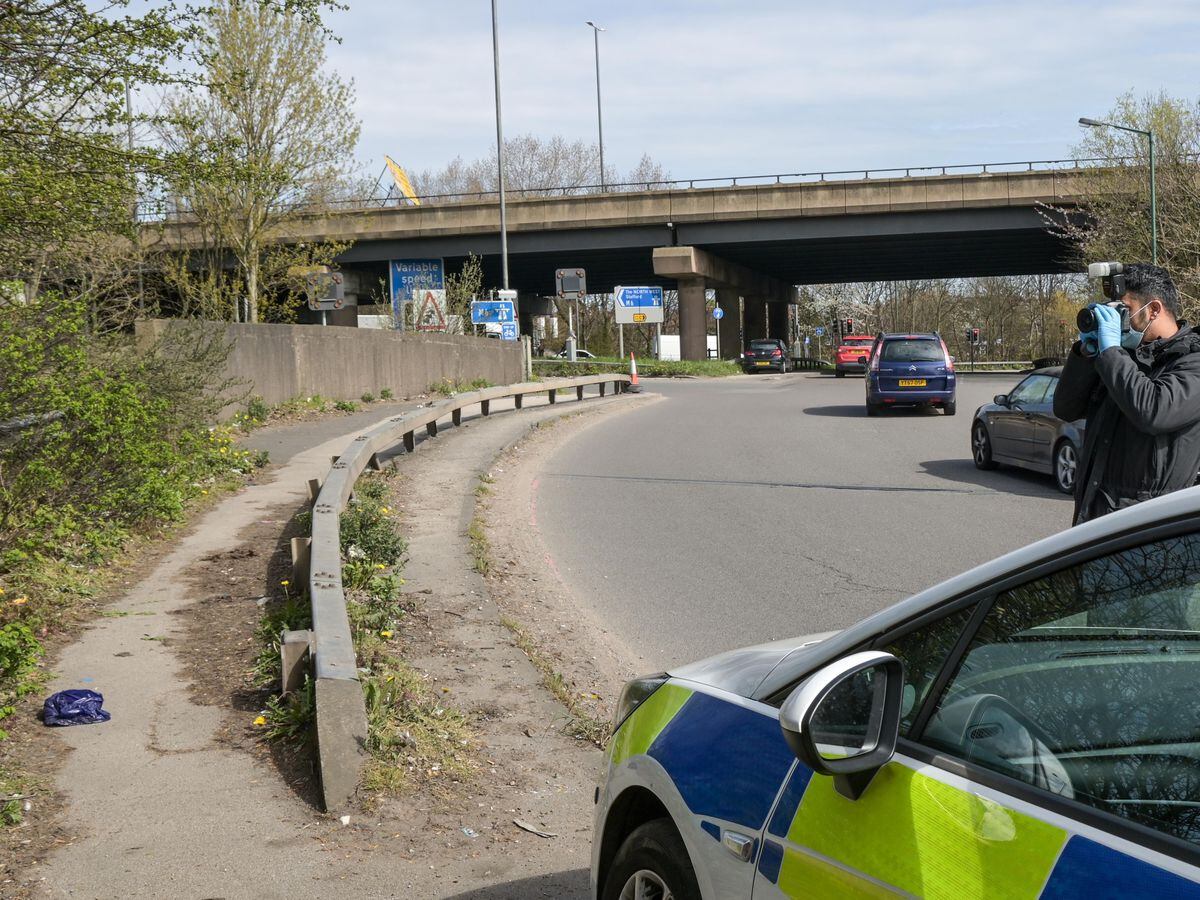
1028	729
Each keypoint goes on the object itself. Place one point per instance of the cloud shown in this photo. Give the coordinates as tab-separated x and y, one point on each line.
712	88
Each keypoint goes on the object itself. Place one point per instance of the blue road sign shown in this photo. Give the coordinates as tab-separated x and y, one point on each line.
487	311
818	331
508	331
639	296
408	275
718	313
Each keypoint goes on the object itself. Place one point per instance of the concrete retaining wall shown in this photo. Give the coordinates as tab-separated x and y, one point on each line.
285	361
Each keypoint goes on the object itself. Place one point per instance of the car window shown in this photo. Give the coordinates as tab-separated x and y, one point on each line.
764	345
1086	683
924	651
1030	391
863	342
919	350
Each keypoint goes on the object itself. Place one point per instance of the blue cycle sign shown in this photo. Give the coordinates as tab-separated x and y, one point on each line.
718	314
638	305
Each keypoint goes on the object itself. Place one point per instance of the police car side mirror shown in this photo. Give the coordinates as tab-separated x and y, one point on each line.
1000	399
844	719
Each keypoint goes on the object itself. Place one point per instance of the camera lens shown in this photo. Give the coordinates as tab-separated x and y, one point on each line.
1086	320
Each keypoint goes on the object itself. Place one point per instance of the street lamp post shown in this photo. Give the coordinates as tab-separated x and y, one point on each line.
596	29
500	148
1095	123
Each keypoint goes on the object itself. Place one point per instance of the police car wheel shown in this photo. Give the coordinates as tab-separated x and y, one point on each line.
1066	463
652	864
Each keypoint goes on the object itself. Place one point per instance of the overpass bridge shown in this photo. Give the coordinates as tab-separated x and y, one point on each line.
756	238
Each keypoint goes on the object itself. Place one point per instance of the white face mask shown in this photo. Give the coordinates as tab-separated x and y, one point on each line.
1132	339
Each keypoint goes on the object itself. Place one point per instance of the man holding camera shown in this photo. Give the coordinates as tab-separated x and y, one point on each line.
1134	375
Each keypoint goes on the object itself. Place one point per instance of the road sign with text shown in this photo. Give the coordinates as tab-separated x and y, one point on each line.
488	311
638	305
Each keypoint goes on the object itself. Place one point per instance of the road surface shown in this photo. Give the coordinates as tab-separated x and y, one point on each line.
747	509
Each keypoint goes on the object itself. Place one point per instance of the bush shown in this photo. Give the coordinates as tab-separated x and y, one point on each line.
368	398
386	394
346	406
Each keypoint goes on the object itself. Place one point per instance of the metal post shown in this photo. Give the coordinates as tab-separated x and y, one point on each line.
129	142
1153	205
500	147
596	29
658	340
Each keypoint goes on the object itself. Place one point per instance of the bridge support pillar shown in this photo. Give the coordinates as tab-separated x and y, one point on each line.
693	329
754	313
729	327
777	321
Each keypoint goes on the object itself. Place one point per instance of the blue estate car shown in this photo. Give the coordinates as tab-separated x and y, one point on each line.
1030	728
910	370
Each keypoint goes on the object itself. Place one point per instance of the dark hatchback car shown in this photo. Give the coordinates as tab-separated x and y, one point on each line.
1019	428
766	355
910	370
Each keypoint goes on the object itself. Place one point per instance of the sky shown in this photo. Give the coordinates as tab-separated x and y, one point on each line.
718	89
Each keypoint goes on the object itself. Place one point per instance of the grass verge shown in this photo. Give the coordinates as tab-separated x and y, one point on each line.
583	724
414	738
650	368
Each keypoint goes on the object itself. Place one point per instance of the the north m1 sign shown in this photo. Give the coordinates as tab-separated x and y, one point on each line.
638	305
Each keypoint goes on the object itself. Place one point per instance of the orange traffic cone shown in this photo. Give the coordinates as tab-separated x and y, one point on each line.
633	386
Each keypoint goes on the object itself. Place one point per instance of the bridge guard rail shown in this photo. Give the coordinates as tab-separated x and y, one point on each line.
341	718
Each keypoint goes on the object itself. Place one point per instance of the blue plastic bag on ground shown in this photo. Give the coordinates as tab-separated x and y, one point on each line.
77	707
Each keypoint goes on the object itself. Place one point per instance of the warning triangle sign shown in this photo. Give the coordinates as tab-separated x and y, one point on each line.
431	315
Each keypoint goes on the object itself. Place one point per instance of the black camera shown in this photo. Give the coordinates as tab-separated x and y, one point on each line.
1086	320
1112	285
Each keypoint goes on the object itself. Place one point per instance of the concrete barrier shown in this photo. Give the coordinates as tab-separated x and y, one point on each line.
341	713
279	362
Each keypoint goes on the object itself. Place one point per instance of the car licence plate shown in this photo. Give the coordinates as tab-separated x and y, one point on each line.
912	382
762	362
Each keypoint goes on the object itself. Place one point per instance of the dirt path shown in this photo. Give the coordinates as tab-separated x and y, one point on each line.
174	797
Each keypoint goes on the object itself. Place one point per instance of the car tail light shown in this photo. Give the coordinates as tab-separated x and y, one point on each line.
777	353
748	353
875	361
946	354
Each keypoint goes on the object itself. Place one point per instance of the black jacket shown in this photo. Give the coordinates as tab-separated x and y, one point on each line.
1143	421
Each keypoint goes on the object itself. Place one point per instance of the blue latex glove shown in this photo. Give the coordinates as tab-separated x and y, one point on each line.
1108	327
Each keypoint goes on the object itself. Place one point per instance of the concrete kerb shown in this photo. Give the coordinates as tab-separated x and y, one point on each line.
341	717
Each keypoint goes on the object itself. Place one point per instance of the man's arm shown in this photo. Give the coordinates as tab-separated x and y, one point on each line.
1075	386
1156	405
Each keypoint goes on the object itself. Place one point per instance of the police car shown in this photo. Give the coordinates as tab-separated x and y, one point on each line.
1028	729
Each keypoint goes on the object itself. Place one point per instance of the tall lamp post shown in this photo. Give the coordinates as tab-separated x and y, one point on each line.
596	29
1095	123
500	148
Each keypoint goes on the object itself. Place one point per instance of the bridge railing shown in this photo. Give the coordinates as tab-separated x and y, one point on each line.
162	210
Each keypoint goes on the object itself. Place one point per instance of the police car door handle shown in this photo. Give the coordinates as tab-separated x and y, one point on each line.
740	845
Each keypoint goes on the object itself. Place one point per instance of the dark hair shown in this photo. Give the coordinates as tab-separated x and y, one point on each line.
1152	283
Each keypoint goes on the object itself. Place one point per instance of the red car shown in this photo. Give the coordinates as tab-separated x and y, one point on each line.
851	354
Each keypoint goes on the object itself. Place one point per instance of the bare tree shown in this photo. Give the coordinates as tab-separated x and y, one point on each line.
267	130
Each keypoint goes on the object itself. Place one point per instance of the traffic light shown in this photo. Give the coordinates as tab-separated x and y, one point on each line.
972	335
848	326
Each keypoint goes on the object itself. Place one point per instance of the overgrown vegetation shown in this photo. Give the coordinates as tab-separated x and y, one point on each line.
650	368
450	387
413	736
99	442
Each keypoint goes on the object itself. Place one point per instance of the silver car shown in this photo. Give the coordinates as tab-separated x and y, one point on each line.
1020	429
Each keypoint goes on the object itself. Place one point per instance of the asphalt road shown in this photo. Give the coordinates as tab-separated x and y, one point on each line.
748	509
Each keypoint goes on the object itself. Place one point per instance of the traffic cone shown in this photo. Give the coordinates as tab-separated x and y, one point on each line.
633	387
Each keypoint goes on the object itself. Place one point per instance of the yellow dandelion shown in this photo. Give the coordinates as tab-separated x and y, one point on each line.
285	583
224	449
261	720
205	493
20	601
1	592
386	634
384	510
380	566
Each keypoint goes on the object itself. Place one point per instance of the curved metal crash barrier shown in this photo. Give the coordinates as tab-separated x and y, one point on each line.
340	711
